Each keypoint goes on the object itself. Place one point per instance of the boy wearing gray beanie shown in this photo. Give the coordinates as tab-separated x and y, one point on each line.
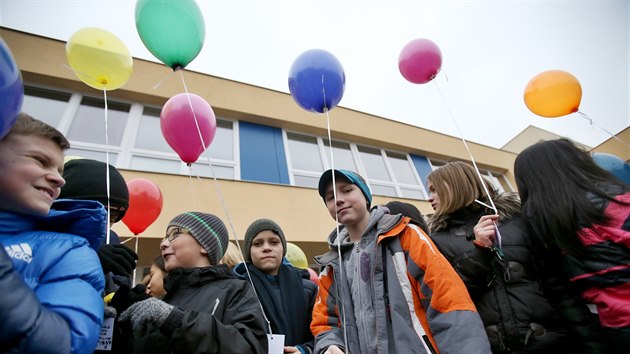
205	309
286	293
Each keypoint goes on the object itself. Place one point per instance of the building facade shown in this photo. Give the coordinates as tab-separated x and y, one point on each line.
264	161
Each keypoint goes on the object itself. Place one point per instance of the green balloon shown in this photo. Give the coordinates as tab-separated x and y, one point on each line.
172	30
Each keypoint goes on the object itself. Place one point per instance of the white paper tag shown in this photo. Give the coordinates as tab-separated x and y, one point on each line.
107	332
276	343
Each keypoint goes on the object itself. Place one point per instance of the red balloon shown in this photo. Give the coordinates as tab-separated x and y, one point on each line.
314	277
145	204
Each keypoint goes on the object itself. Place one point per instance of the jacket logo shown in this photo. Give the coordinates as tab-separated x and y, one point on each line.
21	251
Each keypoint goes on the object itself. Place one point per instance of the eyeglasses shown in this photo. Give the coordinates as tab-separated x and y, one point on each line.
174	234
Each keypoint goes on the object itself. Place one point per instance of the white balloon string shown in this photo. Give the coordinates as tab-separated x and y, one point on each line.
164	79
108	234
203	144
496	227
334	188
238	245
472	159
222	201
192	188
596	125
77	72
133	281
125	241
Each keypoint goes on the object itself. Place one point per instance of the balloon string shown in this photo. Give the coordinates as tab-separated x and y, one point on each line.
107	239
203	144
133	281
164	79
96	81
334	188
467	148
192	189
595	124
472	159
222	201
238	245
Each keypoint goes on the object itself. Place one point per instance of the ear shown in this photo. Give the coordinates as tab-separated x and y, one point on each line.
203	251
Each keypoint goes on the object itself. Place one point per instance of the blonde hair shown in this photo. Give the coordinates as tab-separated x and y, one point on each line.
232	256
457	185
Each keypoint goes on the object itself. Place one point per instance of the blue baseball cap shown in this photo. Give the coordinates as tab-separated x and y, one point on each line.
349	176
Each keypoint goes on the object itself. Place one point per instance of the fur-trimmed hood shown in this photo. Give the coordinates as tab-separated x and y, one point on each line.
508	205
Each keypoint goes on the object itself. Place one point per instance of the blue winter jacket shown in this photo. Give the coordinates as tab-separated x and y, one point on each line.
51	279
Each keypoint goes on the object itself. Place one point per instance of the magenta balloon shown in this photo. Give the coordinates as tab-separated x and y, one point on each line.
180	130
420	61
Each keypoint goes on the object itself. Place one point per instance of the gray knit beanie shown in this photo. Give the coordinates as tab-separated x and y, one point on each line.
207	229
255	228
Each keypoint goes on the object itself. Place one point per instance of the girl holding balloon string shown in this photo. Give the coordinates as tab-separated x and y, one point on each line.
582	213
514	284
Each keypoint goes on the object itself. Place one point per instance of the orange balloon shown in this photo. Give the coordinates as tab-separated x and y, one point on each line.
553	93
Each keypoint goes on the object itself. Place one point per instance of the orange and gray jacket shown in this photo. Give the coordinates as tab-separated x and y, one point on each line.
418	299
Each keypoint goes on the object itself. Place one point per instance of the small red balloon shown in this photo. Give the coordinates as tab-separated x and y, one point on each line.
145	204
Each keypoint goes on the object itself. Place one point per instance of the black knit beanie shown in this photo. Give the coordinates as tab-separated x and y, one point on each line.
207	229
255	228
87	179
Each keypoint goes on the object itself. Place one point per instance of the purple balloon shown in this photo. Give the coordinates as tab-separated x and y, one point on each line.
11	89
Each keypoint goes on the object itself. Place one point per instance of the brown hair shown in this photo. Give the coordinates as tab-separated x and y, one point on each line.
457	185
27	125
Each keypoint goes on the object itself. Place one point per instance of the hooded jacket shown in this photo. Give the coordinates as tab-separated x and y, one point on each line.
520	293
417	298
52	290
213	313
602	273
287	300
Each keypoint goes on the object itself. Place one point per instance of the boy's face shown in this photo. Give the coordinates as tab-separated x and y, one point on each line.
182	251
351	206
30	174
266	252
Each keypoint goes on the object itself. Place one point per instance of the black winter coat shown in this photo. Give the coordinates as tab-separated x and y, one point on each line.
214	313
521	296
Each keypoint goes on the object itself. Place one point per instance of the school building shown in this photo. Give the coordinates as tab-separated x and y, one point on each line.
267	154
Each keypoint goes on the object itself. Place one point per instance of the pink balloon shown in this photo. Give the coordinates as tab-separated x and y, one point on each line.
180	130
420	61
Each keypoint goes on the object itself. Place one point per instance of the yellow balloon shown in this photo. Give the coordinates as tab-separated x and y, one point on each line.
296	256
553	93
99	58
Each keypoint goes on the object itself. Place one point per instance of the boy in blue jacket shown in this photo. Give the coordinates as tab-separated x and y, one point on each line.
55	275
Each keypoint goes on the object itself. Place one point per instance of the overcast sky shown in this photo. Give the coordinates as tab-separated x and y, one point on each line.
491	49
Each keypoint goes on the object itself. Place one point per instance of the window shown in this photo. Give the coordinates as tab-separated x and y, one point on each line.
386	172
133	132
499	181
46	105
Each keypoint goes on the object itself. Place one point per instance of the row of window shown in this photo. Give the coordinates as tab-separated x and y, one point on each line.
130	134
